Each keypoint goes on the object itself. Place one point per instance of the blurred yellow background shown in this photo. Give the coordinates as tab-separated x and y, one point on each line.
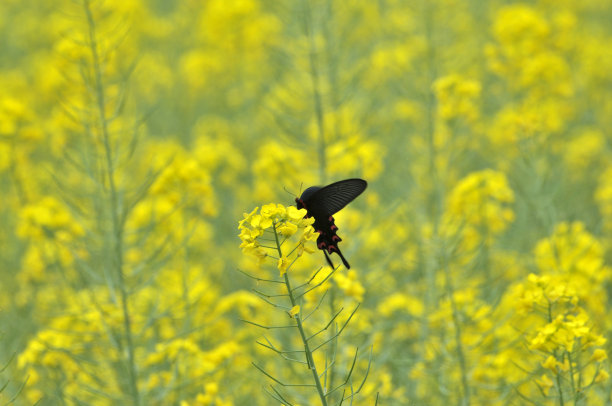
135	134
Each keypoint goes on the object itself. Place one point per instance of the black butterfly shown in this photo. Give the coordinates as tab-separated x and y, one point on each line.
321	203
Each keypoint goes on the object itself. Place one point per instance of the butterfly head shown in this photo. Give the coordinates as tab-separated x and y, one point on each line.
309	192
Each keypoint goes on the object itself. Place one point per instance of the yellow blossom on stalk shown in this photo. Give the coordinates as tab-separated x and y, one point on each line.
599	355
283	264
602	376
545	383
540	292
238	25
457	97
584	150
216	149
294	310
184	181
480	200
556	327
48	219
294	213
572	251
403	302
356	153
309	235
535	67
391	60
279	162
557	335
13	113
350	285
282	222
209	397
531	120
287	229
526	51
478	208
349	150
550	363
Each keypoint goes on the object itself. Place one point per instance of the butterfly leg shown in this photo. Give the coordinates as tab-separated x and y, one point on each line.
329	259
344	261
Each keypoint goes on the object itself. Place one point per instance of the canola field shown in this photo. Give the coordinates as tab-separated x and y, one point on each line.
151	153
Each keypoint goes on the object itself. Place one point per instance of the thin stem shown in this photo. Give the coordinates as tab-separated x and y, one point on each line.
334	343
298	320
316	93
458	342
435	202
117	222
321	138
559	388
575	391
433	198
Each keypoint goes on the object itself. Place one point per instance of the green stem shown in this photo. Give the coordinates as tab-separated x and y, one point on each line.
575	391
321	140
458	342
331	375
316	94
15	175
433	198
307	351
117	223
559	388
558	375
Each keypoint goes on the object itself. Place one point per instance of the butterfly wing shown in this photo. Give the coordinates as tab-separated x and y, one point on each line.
321	203
332	198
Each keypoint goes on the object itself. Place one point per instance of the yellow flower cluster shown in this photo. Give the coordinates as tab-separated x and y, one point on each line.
281	222
187	355
571	249
350	284
558	327
133	134
457	97
478	208
534	63
576	258
527	49
280	163
210	396
48	219
564	333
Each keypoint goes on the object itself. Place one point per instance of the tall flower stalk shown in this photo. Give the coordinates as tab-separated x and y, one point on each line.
115	207
277	224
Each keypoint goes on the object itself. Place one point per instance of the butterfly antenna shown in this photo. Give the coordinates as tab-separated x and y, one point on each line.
285	189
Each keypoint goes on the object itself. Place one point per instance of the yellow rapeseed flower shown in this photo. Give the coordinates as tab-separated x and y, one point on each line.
294	310
457	97
350	285
550	363
572	250
602	376
545	383
276	218
599	355
283	265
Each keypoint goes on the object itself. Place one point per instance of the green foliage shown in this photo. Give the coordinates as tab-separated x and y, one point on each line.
134	134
